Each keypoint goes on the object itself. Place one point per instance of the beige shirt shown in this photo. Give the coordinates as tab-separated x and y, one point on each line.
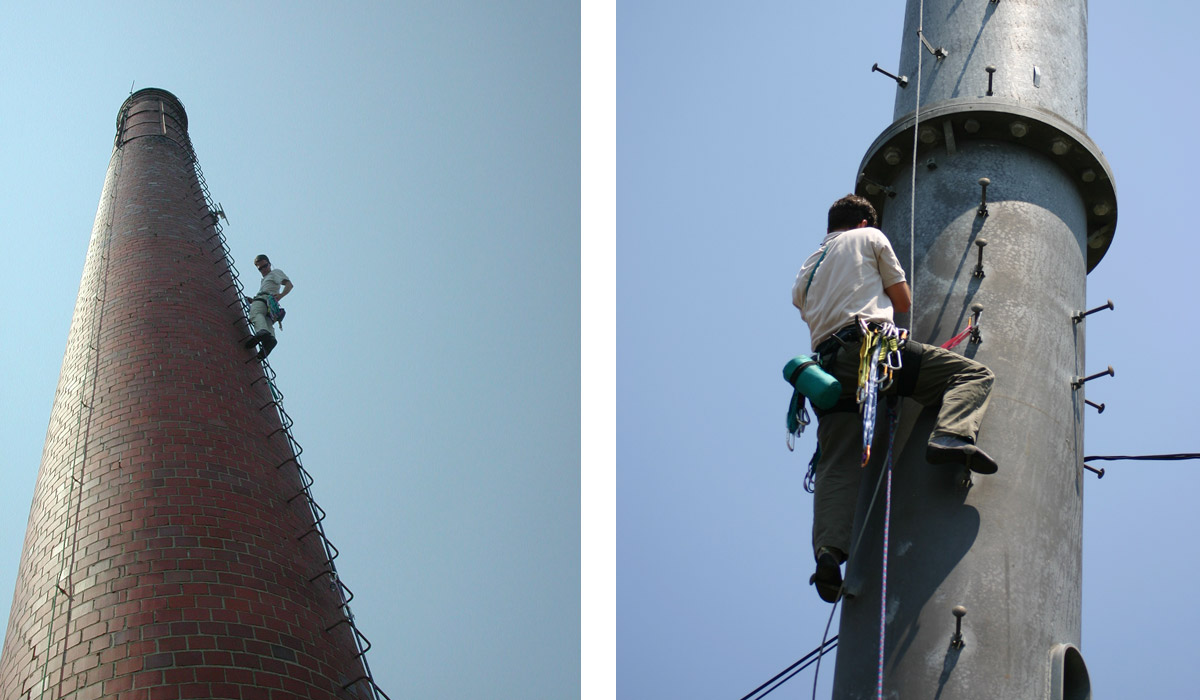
859	264
272	282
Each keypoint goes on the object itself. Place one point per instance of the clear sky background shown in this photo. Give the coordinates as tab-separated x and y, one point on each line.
737	125
415	168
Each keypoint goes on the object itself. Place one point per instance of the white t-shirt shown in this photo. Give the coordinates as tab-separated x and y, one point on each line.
272	281
859	264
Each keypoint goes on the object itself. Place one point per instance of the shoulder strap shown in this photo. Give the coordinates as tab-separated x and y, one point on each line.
824	250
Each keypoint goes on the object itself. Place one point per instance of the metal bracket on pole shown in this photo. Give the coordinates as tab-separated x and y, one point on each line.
901	80
1080	381
939	52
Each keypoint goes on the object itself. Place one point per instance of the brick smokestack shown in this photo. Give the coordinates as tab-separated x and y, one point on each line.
169	551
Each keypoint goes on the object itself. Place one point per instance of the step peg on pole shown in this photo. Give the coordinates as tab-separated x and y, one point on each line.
1080	316
976	309
1098	472
983	184
901	80
874	188
939	52
978	272
1080	381
1098	406
991	71
957	642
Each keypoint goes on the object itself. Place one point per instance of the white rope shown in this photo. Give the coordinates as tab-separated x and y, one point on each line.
912	204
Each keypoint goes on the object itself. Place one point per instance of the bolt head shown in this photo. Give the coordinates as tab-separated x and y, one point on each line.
981	242
1018	129
984	182
976	308
892	156
990	69
971	126
959	611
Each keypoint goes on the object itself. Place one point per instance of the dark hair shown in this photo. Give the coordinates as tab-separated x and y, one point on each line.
267	260
849	211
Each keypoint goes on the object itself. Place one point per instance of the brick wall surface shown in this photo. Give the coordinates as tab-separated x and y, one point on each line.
166	554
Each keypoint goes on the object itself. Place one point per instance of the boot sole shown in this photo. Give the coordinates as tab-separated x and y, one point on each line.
969	456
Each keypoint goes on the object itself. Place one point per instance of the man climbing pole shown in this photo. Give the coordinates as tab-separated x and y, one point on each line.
264	307
846	292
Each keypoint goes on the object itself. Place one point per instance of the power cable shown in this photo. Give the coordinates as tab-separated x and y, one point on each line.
1160	458
807	660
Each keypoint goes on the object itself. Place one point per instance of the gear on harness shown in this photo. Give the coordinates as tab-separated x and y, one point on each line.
274	311
880	357
809	380
810	477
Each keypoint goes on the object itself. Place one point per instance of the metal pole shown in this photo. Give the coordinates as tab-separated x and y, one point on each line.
1007	546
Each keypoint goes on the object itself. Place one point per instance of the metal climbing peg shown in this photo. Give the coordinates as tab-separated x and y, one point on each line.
1080	316
874	187
1080	381
978	272
901	80
1098	472
976	309
991	71
957	641
983	184
1098	406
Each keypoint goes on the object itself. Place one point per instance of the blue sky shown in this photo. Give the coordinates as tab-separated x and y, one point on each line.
737	125
415	168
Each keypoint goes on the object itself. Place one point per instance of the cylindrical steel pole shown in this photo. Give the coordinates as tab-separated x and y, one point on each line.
1006	547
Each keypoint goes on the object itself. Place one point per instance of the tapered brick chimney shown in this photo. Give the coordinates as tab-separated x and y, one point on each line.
171	550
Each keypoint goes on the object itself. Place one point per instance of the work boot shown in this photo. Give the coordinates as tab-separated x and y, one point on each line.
257	338
268	344
952	449
828	578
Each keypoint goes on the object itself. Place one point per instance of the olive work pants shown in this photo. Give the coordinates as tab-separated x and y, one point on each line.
259	318
960	384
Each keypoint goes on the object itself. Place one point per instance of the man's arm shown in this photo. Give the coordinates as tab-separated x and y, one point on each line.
900	295
287	287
